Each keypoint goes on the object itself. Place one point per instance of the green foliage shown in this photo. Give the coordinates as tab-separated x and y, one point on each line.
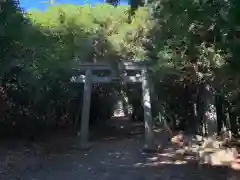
195	43
189	43
41	48
11	26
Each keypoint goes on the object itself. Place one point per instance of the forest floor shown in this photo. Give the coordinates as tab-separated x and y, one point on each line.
108	159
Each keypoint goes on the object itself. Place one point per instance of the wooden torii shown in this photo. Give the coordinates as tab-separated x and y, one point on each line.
128	72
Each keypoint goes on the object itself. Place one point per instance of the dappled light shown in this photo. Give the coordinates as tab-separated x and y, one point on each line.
146	91
108	159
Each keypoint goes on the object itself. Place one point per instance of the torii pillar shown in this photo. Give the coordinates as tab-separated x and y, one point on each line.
148	121
84	133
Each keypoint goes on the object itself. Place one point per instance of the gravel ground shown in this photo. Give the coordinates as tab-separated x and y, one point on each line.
107	160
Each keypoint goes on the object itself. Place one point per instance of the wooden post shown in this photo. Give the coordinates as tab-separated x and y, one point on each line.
149	140
84	133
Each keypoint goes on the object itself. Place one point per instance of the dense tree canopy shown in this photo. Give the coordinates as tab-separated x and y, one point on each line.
191	44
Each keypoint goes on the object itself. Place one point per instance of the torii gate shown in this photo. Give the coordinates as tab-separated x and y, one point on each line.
87	75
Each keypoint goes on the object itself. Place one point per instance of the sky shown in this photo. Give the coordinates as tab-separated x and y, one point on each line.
40	5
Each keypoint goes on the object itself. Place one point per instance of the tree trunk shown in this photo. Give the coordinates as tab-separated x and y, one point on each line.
232	119
221	117
210	117
189	110
200	110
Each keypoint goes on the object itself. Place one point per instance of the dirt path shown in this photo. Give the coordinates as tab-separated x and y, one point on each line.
107	160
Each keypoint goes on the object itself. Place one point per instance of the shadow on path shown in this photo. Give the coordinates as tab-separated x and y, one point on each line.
108	160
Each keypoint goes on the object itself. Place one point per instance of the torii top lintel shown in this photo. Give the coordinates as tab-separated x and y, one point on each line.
126	65
122	66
